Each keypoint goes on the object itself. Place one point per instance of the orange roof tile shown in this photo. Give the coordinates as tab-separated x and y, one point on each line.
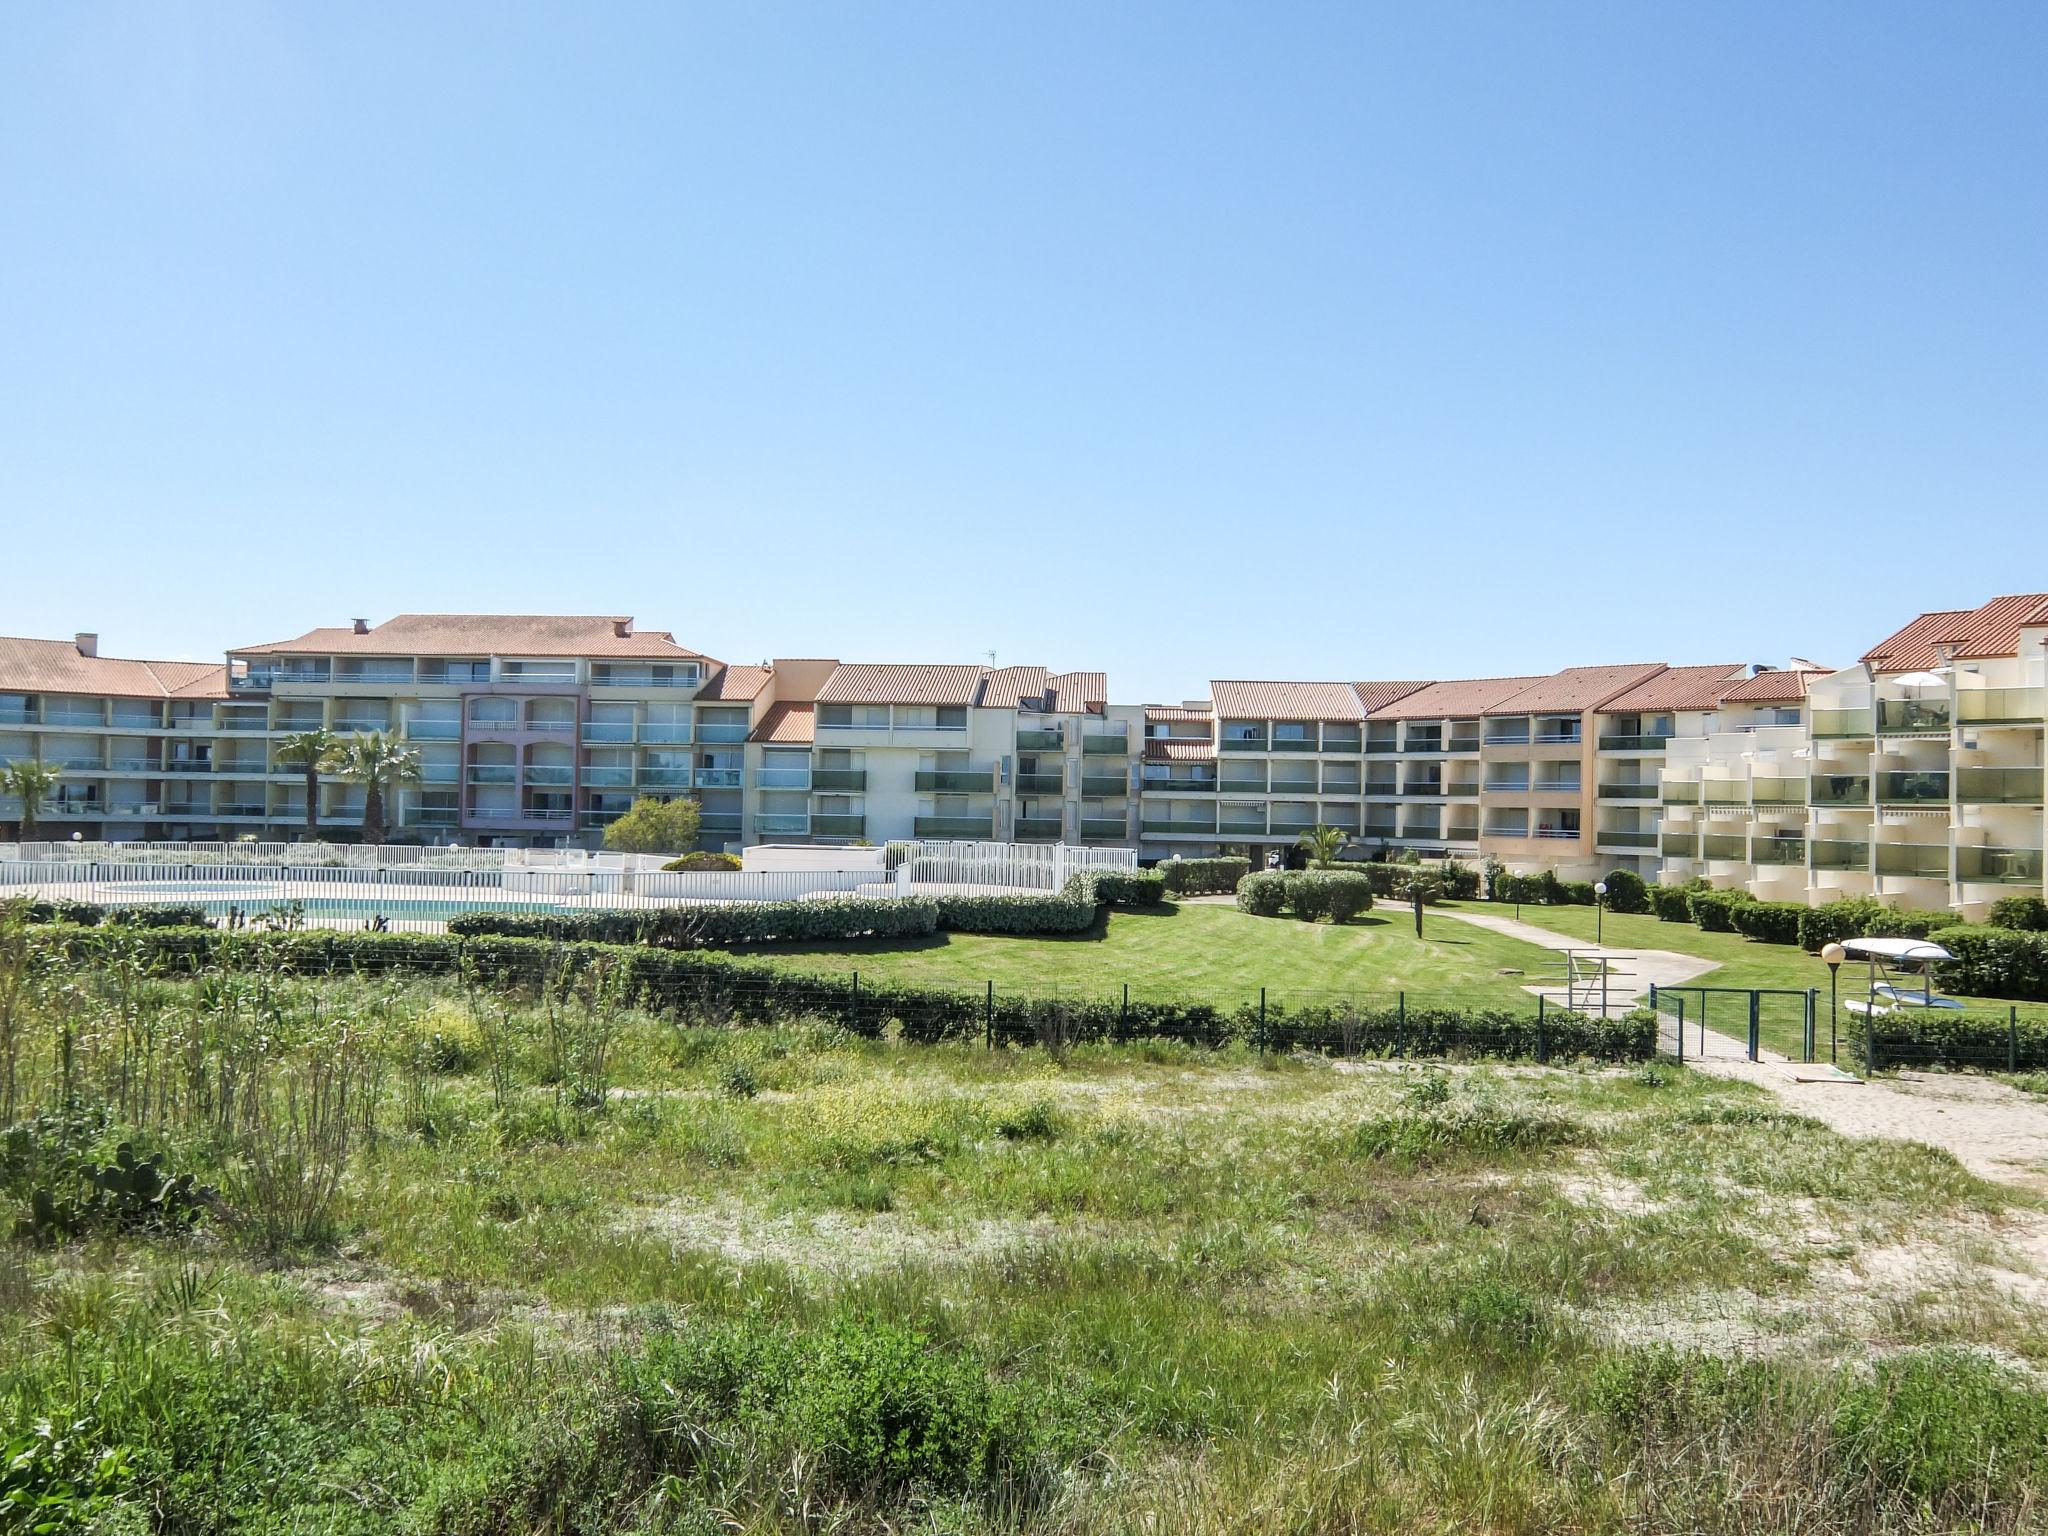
1911	649
1678	688
486	634
1377	696
1076	693
787	725
885	683
1188	749
1460	699
735	684
1242	700
1779	685
1171	712
1575	689
55	666
1994	629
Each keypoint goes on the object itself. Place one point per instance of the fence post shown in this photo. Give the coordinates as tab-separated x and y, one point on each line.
2012	1038
1401	1022
1870	1043
1262	1021
1123	1017
1812	1032
1756	1021
853	1009
988	1017
1542	1011
1681	1031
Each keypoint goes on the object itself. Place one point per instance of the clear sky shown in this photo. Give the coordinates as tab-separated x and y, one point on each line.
1176	340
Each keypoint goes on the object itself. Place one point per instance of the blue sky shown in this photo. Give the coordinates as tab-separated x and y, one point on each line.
1176	340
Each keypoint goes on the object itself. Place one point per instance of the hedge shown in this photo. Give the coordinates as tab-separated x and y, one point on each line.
1937	1038
1714	911
2029	914
1626	892
1995	962
1335	894
1543	889
1769	922
703	861
1202	877
694	983
1856	917
1263	894
1671	903
1393	882
88	914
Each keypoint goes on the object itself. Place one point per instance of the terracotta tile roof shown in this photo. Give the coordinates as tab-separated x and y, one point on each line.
787	725
1575	689
1994	629
1377	696
1076	693
1911	649
1678	688
1461	699
55	666
1780	685
486	634
1240	700
1173	712
735	684
1185	750
869	683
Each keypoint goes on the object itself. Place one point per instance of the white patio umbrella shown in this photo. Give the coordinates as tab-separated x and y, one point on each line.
1920	682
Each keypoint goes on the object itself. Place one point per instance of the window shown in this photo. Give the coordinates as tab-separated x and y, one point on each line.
860	717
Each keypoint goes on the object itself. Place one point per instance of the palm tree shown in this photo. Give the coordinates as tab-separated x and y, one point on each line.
30	782
314	752
380	765
1321	845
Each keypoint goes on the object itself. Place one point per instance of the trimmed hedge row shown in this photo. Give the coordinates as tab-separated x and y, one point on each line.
1448	880
1543	889
698	983
1201	877
1934	1038
1310	894
90	914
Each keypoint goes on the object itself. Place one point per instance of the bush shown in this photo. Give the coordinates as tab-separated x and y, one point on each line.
2028	914
1575	893
1714	911
1337	895
1855	917
1127	887
1067	911
655	826
169	916
84	914
702	862
1932	1037
1263	894
1397	882
1202	877
1626	892
733	922
1673	903
1769	922
1995	962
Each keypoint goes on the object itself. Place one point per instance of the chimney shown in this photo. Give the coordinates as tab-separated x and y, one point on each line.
623	628
360	626
88	643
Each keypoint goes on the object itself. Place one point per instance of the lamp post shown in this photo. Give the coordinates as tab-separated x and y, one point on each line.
1834	955
1600	912
1518	893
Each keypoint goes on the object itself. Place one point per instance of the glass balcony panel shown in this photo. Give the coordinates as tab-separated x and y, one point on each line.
1913	788
1841	789
1835	853
951	826
839	825
1840	723
1105	745
980	781
1777	850
1999	786
1999	866
1907	717
838	780
1927	861
1041	783
2002	706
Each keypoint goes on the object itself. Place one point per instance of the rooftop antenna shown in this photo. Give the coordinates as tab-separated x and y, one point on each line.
991	655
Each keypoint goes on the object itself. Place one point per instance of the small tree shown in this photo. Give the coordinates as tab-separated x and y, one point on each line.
30	782
313	752
655	826
380	765
1321	845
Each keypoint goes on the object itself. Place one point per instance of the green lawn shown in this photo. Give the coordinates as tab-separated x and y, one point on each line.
1208	953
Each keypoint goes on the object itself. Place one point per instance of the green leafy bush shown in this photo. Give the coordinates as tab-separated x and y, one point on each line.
1855	917
1126	887
732	922
1315	894
1202	877
1995	962
129	1194
703	862
1935	1037
1626	892
1714	911
1263	894
1768	922
2027	914
1067	911
1673	903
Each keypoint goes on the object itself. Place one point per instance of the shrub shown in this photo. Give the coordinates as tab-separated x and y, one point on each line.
1127	887
1575	893
655	826
1855	917
1769	922
85	914
1672	903
1626	892
1935	1037
1202	877
1337	895
1995	962
734	922
702	862
1067	911
1263	894
2028	914
1714	911
167	916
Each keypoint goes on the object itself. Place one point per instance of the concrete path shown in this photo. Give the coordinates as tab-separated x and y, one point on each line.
1633	971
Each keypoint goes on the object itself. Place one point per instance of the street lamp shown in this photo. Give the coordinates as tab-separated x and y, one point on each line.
1600	912
1834	955
1518	893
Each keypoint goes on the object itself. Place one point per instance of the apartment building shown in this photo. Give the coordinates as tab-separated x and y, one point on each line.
1634	733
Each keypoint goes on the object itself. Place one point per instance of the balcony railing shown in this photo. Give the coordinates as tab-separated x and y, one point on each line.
1376	746
1386	831
433	816
1506	829
1999	866
1778	791
1423	741
1382	787
1777	850
665	778
950	826
1726	791
1295	744
1636	743
1039	741
188	765
1096	829
602	679
1040	783
607	730
1628	791
1609	839
1724	845
390	674
433	730
1559	834
1913	717
1231	786
1038	828
1105	786
1999	786
1557	738
607	778
1432	788
241	723
659	734
2002	706
1152	786
1913	788
719	822
1837	724
1679	845
1245	744
365	723
770	824
719	733
492	773
1514	786
430	773
783	778
1241	824
839	781
1300	789
1923	861
84	717
549	774
1841	789
1466	790
131	765
1170	825
1290	826
978	781
718	778
1836	853
839	825
1555	786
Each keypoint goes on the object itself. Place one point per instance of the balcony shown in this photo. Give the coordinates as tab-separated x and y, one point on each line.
1841	790
1106	786
537	813
1557	738
1386	831
664	778
1999	786
1918	861
1248	744
1464	744
1039	784
977	781
1297	789
239	808
1913	717
1171	826
654	733
1726	791
548	775
433	730
131	765
188	765
607	730
1555	787
715	778
1152	786
1515	785
1679	845
838	781
1777	851
1429	788
433	816
1913	788
1840	724
1097	829
1626	743
607	778
1038	829
950	826
1559	834
1290	826
839	826
1507	736
1628	791
1467	790
719	823
783	778
241	723
349	724
1999	866
2002	706
1423	742
1724	845
777	825
77	764
1237	786
1607	839
394	673
1241	824
718	733
601	678
1833	853
1778	791
493	773
430	773
1040	741
1376	746
90	718
1295	744
1382	787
